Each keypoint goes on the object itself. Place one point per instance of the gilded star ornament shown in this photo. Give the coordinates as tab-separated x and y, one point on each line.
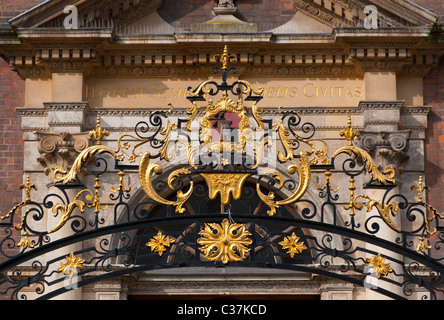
224	242
381	268
293	245
159	242
71	265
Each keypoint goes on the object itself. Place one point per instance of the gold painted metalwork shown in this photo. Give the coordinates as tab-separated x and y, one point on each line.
303	171
384	177
321	154
388	173
385	211
381	268
327	183
420	188
159	243
225	58
121	186
226	105
224	242
72	264
351	205
96	201
349	133
64	177
98	133
225	184
25	242
433	213
66	210
28	188
229	183
423	245
61	176
123	144
146	171
293	245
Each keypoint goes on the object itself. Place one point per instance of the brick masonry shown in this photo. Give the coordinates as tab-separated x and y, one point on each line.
12	92
434	144
268	14
434	159
435	6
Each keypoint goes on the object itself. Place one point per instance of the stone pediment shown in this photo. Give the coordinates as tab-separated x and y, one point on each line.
159	38
142	17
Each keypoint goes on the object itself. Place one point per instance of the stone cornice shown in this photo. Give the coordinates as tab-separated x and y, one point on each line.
176	111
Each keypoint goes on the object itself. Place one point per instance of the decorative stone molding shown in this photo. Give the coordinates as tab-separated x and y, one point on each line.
387	148
381	116
59	150
66	114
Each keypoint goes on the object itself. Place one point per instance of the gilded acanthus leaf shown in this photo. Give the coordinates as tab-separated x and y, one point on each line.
64	177
384	177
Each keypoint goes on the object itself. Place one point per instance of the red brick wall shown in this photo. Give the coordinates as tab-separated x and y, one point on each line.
11	143
12	8
434	157
268	14
435	6
434	97
12	89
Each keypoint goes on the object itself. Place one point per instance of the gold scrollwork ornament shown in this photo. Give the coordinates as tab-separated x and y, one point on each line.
146	171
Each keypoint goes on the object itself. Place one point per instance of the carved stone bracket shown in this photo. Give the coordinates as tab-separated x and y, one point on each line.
59	150
387	148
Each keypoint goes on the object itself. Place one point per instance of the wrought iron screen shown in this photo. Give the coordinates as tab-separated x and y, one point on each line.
225	186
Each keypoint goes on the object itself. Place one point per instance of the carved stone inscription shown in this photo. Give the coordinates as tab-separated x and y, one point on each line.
155	93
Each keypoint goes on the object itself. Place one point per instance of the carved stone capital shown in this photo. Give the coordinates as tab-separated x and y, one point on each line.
386	148
59	150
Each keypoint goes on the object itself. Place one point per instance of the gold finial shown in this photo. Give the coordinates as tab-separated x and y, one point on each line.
327	183
98	133
225	58
121	184
349	133
420	189
28	187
